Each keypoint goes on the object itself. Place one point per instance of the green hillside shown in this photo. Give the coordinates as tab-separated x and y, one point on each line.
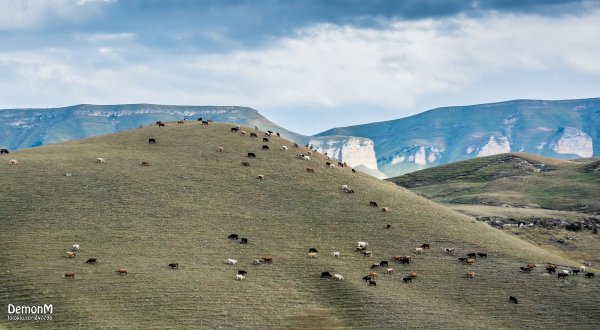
184	205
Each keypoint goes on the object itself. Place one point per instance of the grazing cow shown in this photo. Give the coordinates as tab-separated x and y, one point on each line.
231	262
180	122
100	160
270	132
407	279
462	259
374	204
312	249
4	151
284	148
335	254
383	263
418	250
92	261
328	164
312	254
575	271
267	259
235	129
402	259
469	261
265	147
551	269
233	236
366	278
562	275
245	164
296	145
75	247
412	275
425	246
331	166
69	275
199	119
582	268
326	275
162	125
253	135
373	283
257	262
174	265
367	253
470	274
265	139
481	255
346	189
513	300
14	162
145	163
158	122
564	271
70	254
121	271
373	266
305	157
251	155
239	277
152	141
472	255
362	245
590	275
205	122
531	266
242	272
353	171
340	164
278	135
243	133
220	149
388	226
244	240
389	271
372	274
385	209
587	264
261	177
451	251
338	277
310	170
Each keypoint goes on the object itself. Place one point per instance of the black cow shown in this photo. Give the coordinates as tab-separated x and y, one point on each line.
244	240
326	275
251	155
3	151
152	141
383	263
526	269
590	275
253	135
353	171
407	279
373	266
513	300
551	269
270	132
265	139
205	122
242	272
373	283
405	260
562	275
366	278
233	236
575	271
461	259
265	147
425	246
472	255
278	135
174	265
91	261
234	129
296	145
481	255
312	249
388	226
267	134
374	204
200	119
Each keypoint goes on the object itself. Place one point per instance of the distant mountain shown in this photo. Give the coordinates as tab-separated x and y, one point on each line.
25	128
559	129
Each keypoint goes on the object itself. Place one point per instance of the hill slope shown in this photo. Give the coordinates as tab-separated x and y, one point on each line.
560	129
183	207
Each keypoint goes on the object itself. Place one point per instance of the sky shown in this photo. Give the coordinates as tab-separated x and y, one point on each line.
307	65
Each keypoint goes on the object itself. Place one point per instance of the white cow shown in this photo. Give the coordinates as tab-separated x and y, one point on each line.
239	277
75	247
14	162
338	277
100	160
284	148
231	261
335	254
362	245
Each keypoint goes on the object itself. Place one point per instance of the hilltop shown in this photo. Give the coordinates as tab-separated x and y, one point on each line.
184	205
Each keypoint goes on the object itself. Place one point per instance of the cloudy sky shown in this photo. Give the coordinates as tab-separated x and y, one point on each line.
308	65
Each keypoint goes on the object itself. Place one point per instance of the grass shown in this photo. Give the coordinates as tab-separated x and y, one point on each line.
183	207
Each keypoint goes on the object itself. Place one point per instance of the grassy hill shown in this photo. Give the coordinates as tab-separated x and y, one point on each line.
183	207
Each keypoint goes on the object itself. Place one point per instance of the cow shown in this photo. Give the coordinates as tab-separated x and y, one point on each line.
265	147
551	269
310	170
220	149
388	226
69	275
92	261
312	249
4	151
412	275
366	278
174	265
372	283
562	275
251	155
402	259
531	266
367	253
244	240
239	277
233	236
326	275
261	177
346	189
513	300
14	162
374	204
590	275
472	255
70	254
278	135
158	123
587	264
231	262
470	274
582	268
121	271
205	122
199	119
407	279
242	272
418	250
145	163
162	125
285	148
296	145
338	277
265	139
257	262
151	141
75	247
469	261
353	171
385	209
481	255
383	263
373	266
235	129
389	271
180	122
373	274
253	135
335	254
425	246
331	166
245	164
575	271
267	259
100	160
312	254
451	251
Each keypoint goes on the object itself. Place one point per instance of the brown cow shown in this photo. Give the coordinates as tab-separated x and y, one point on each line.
69	275
245	164
180	122
267	259
174	265
145	163
70	254
310	170
121	271
470	274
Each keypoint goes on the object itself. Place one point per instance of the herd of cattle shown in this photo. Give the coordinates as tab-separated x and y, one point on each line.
361	247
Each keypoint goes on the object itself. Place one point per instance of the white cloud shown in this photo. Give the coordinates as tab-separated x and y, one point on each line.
29	14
